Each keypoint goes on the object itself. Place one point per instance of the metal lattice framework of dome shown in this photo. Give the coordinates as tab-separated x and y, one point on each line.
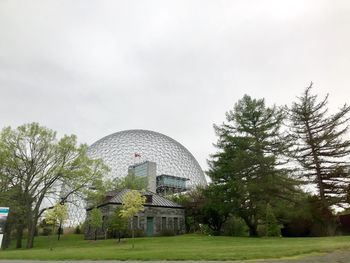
118	152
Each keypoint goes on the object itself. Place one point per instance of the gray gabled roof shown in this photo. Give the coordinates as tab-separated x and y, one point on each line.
157	200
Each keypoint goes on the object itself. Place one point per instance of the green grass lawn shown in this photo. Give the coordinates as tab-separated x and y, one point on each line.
186	247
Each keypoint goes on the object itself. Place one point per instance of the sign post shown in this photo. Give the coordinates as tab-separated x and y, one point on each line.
4	211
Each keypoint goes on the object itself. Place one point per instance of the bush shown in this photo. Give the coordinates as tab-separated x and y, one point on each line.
205	229
315	220
272	227
46	231
77	230
297	227
167	233
235	226
137	233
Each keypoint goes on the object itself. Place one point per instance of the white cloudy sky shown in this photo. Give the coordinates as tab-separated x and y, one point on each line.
96	67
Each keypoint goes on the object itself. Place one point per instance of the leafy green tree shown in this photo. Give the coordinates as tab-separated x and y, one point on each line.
248	167
131	181
193	201
117	223
215	210
133	203
36	164
95	220
273	229
11	197
321	147
56	217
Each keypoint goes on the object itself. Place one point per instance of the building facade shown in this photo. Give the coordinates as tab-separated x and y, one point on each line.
159	216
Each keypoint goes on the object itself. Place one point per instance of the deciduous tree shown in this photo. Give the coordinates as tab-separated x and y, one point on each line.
37	165
117	223
133	203
56	217
95	220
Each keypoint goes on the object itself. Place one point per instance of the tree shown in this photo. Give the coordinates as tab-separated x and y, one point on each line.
272	227
95	220
10	197
216	209
320	146
193	201
56	217
131	181
37	164
133	203
117	223
248	167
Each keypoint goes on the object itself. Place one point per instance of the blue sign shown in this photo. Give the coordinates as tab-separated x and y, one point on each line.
3	218
4	210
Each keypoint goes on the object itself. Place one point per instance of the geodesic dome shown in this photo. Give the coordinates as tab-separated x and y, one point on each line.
118	151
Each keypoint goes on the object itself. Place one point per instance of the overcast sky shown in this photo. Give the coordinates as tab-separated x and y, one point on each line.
93	68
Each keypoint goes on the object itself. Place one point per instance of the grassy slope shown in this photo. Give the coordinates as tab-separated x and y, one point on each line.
187	247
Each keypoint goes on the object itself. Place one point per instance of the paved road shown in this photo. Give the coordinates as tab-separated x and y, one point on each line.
334	257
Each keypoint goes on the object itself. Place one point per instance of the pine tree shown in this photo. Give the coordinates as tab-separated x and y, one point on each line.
320	146
248	165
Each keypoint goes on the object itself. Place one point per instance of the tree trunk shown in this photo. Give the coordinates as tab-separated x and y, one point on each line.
19	235
59	231
31	231
31	235
132	232
95	234
7	235
253	232
316	163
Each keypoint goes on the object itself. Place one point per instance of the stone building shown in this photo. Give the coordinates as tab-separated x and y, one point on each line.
160	215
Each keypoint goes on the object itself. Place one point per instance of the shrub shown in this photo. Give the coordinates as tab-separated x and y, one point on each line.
272	227
46	231
77	230
205	229
167	233
235	226
315	220
137	233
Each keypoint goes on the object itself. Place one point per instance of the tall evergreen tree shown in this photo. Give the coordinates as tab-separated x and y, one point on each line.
248	165
320	146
